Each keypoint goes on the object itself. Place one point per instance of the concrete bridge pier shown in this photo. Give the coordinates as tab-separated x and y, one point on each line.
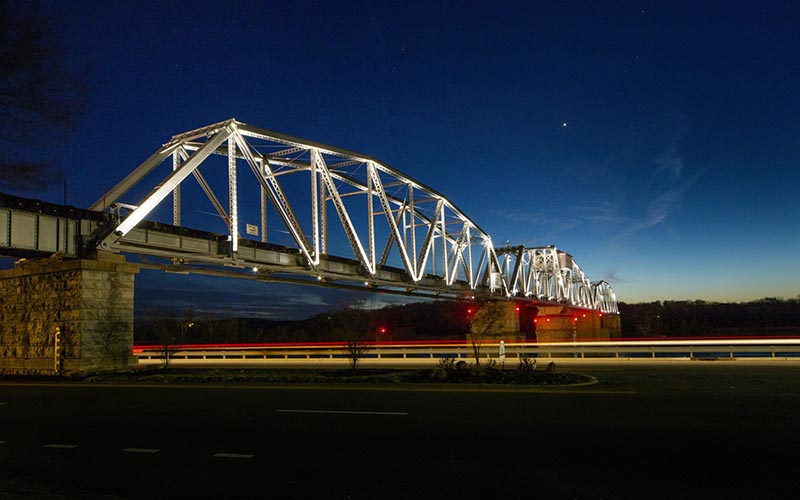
521	321
62	316
558	323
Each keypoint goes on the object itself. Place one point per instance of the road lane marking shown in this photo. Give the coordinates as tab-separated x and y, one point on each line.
345	412
140	450
2	442
59	446
233	455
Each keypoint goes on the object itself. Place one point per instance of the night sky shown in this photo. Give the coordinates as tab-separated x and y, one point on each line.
657	142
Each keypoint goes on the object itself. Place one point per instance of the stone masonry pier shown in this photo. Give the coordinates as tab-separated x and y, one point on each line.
67	315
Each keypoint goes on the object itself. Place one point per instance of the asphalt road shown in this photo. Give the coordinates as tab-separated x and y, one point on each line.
691	430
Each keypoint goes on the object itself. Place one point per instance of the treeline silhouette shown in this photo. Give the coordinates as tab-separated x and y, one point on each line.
697	318
448	320
415	321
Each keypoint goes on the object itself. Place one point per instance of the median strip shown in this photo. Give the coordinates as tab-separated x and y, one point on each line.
346	412
233	455
140	450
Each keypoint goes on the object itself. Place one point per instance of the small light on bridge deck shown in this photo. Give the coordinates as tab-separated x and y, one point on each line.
255	269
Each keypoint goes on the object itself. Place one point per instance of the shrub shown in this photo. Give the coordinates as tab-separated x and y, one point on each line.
526	365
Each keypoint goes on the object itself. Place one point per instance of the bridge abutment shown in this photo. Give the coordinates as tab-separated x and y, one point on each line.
67	316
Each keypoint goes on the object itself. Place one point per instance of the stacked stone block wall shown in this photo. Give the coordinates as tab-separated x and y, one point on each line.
89	301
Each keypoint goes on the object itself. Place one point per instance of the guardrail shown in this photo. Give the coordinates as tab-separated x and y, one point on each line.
639	349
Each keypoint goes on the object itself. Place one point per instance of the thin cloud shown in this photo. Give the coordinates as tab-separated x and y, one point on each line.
539	218
661	207
671	162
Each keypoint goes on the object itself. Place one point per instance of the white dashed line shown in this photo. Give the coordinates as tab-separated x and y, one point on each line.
140	450
345	412
60	446
2	442
232	455
2	404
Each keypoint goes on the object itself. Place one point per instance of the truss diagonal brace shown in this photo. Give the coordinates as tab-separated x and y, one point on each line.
174	179
381	192
131	179
278	198
347	224
426	245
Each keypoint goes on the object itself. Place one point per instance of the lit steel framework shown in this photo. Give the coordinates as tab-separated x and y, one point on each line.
402	235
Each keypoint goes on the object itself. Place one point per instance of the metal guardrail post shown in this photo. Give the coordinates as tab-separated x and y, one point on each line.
57	351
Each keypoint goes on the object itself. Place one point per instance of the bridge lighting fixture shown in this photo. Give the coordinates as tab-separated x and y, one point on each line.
255	269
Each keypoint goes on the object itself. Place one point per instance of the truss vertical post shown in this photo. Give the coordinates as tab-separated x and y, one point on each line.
176	193
371	214
471	277
323	216
315	209
263	214
433	248
405	233
232	201
445	266
412	214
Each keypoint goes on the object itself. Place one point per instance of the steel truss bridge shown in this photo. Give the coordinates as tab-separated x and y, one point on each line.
344	219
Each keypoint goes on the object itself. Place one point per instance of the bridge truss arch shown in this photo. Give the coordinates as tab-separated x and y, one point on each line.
345	219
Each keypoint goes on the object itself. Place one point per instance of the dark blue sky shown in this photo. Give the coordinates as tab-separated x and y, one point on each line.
675	177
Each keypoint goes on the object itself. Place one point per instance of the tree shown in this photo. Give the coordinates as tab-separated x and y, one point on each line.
352	324
164	328
484	320
40	97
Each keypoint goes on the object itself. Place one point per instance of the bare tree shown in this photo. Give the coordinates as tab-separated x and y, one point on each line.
40	97
164	329
352	324
483	322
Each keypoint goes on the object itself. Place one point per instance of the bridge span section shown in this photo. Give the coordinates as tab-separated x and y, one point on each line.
297	212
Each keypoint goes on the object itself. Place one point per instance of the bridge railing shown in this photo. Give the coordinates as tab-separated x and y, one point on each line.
394	352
